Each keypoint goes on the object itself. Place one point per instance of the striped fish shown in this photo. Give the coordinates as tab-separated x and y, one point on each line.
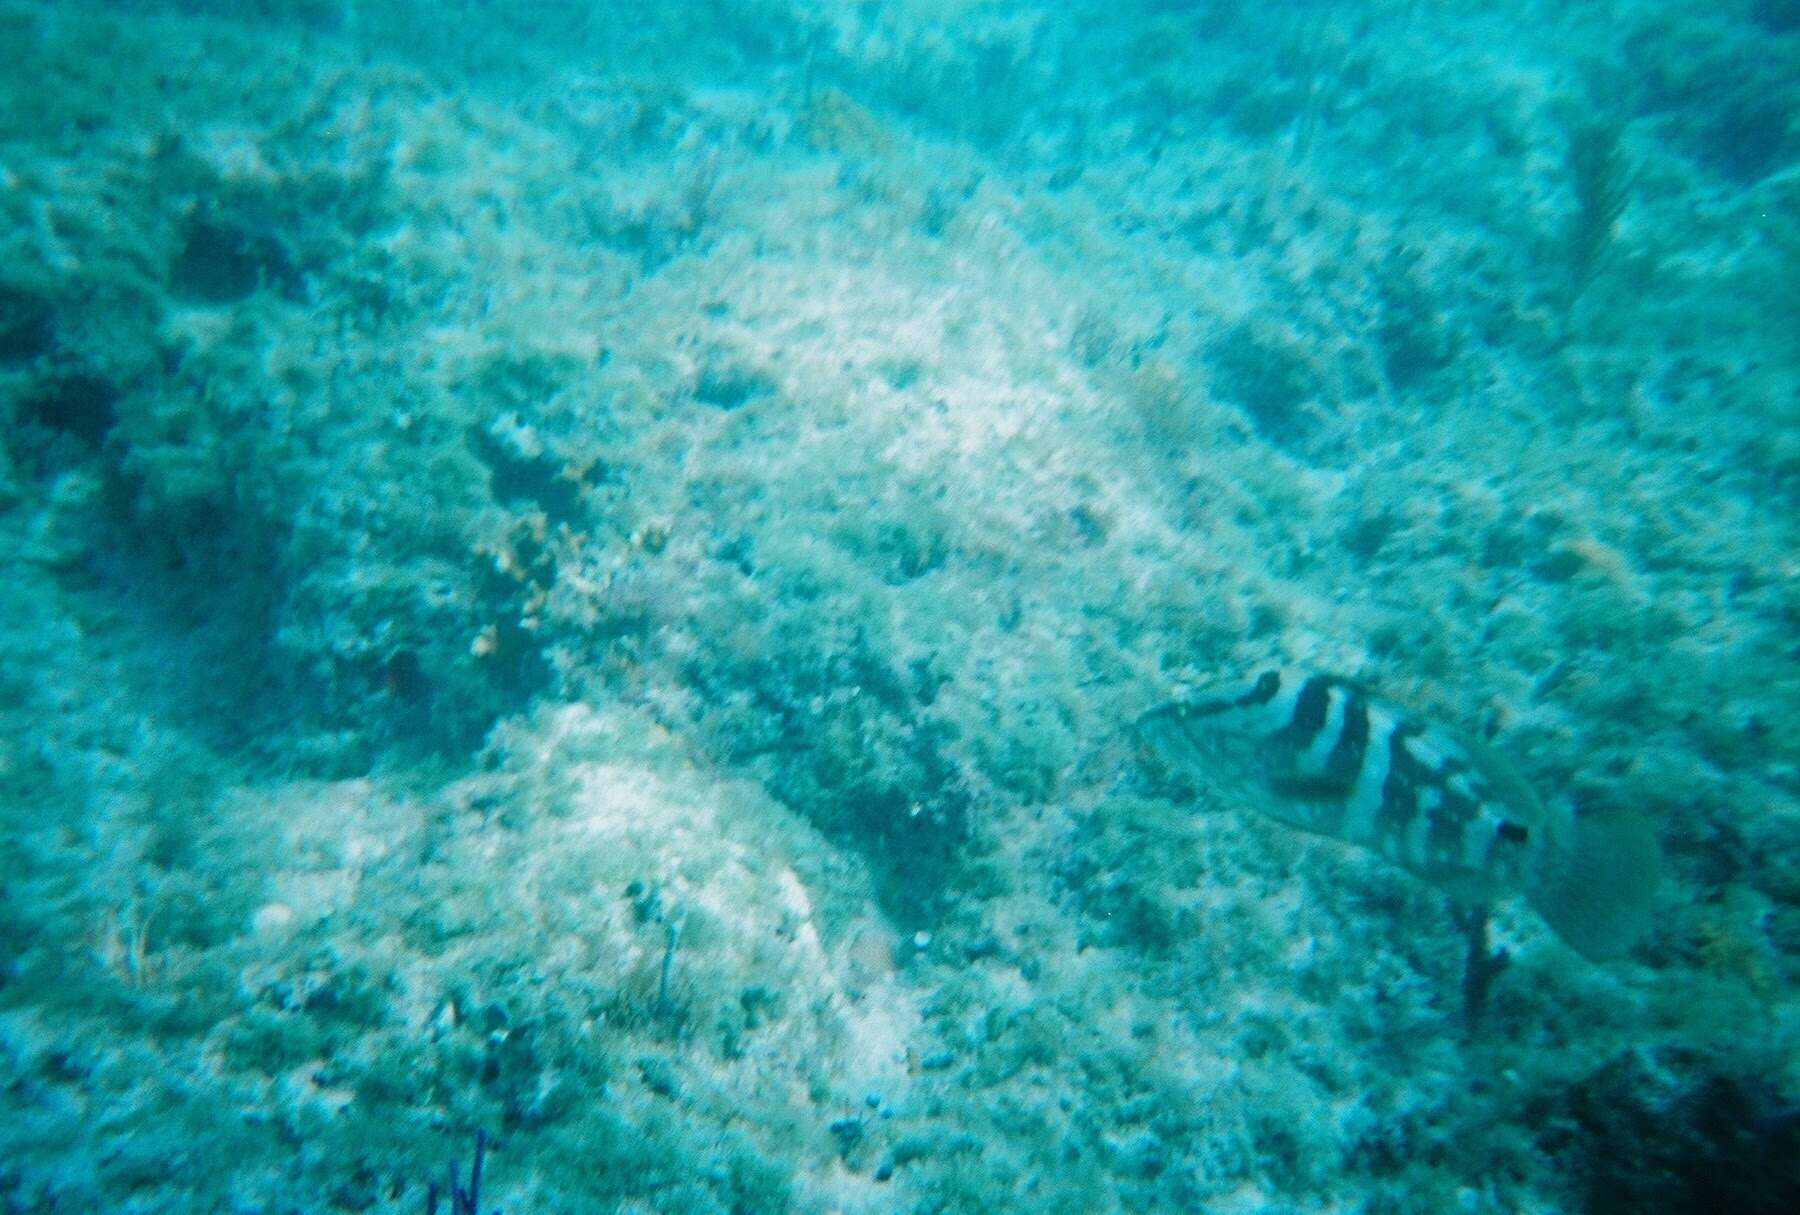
1332	758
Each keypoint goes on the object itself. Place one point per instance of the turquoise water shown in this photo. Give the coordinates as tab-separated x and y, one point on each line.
586	573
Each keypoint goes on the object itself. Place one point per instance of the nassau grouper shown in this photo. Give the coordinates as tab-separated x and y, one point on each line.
1329	757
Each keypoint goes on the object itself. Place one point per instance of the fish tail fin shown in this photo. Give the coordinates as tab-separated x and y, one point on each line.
1597	885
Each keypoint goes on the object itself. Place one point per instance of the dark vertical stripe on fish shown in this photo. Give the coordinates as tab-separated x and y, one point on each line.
1400	795
1309	713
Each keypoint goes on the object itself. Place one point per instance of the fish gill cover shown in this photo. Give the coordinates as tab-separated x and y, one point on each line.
578	576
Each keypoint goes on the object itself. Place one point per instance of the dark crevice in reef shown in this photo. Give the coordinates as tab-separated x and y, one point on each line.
537	481
62	407
728	387
1777	16
199	597
221	262
27	325
63	420
1667	1135
79	405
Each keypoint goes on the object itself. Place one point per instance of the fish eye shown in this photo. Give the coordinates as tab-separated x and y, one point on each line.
1515	832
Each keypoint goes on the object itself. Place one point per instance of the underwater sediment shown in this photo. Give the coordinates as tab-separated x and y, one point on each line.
582	574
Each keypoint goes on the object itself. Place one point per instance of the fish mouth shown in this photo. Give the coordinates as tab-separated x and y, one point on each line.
1185	744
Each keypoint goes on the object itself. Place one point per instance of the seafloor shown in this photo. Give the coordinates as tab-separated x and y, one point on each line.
579	571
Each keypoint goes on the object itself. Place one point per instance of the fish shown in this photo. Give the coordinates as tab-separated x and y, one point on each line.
1331	757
